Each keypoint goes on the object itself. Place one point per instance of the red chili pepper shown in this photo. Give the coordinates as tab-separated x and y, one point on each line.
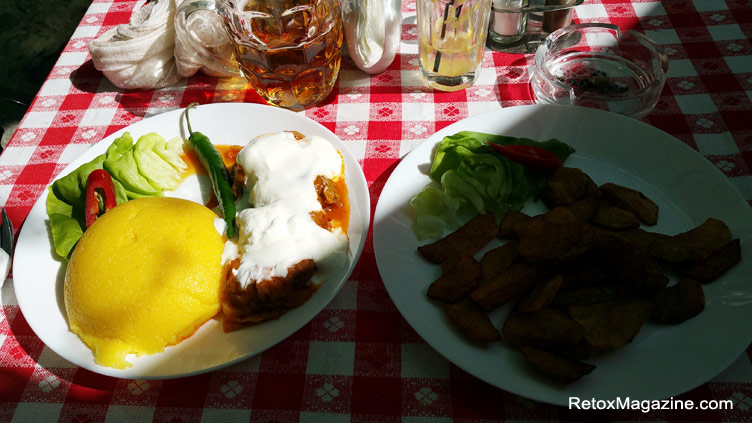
535	157
98	185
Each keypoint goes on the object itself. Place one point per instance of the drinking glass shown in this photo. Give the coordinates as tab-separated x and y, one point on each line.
451	40
289	50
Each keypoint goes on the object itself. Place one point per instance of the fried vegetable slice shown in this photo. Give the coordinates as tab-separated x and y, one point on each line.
583	272
592	294
473	320
696	244
679	302
584	209
517	279
611	324
629	265
567	185
579	351
547	328
632	200
497	260
561	215
558	368
540	296
467	240
460	276
610	216
715	265
552	243
640	239
512	224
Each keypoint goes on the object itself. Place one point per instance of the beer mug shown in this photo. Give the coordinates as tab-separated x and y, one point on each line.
289	50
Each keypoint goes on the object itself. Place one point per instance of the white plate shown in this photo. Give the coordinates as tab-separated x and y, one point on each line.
661	361
38	274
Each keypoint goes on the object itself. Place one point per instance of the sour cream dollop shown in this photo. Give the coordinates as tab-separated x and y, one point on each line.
278	231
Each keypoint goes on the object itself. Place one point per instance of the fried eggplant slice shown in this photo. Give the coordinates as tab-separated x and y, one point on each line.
679	302
560	369
467	240
473	321
629	265
560	214
540	296
715	265
498	260
640	239
579	351
519	278
459	276
696	244
584	209
612	217
632	200
512	224
611	324
591	294
567	185
553	244
547	328
583	272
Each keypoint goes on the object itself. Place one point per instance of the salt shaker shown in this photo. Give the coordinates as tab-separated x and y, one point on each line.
507	25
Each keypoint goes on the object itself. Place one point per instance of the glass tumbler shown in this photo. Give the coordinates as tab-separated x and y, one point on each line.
451	41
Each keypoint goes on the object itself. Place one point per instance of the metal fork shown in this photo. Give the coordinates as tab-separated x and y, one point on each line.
6	244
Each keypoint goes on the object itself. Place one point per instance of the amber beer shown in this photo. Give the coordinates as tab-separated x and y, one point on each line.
293	52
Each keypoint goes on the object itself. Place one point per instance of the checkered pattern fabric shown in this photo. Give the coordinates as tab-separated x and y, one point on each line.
358	360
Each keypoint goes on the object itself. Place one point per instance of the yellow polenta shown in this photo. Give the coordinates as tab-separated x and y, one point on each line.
144	276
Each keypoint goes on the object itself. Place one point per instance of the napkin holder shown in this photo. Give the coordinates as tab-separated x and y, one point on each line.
373	29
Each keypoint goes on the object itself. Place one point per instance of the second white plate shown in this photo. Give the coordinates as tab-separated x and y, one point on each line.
662	361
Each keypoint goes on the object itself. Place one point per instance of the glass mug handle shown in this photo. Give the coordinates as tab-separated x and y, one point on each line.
217	65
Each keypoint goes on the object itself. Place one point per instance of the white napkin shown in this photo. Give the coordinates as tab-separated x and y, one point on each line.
140	54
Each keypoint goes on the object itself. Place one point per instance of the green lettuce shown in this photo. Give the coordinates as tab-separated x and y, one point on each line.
67	196
159	161
474	179
121	164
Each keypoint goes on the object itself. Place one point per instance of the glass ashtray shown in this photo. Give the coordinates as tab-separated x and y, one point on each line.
599	66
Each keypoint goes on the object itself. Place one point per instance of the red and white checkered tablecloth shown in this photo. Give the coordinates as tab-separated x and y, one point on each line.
358	360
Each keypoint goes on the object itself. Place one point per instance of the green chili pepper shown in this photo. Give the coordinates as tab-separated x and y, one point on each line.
215	167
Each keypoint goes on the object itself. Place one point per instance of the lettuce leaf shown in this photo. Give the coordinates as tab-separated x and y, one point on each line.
473	177
159	161
67	196
121	165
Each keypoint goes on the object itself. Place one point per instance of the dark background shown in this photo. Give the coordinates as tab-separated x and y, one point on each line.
33	34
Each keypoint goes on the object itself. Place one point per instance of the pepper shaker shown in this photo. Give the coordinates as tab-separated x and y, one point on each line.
557	18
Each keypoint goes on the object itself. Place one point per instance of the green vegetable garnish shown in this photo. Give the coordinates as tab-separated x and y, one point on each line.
133	175
475	179
215	167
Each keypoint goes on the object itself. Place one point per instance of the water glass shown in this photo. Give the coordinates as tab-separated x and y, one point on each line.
451	41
